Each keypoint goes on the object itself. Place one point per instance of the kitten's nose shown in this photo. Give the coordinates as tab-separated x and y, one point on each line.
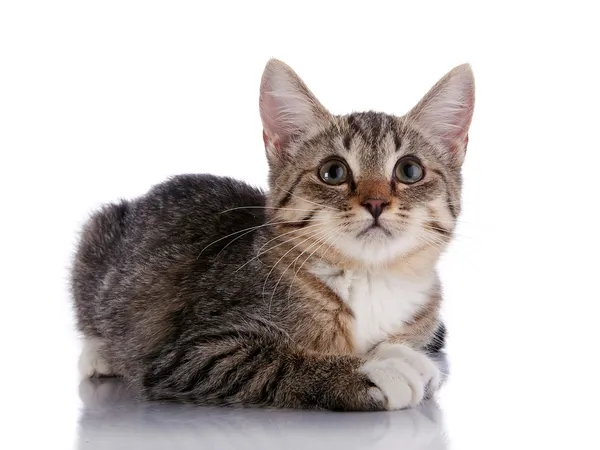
375	206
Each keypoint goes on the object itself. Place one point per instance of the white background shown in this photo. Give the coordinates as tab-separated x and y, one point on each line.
100	100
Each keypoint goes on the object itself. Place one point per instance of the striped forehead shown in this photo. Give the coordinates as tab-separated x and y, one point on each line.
372	139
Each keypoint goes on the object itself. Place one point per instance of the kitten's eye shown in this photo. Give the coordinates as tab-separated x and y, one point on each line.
409	170
333	172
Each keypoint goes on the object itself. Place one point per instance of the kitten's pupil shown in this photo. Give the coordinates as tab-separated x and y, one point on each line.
335	172
410	171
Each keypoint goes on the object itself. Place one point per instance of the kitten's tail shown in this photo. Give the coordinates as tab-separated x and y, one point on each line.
257	371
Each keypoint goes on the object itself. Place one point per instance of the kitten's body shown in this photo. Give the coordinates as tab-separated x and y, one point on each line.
206	290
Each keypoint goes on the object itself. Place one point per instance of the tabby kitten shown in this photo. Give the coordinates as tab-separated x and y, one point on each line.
320	293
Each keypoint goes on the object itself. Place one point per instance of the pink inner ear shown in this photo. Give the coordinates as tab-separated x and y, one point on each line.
459	145
274	142
466	143
268	112
452	125
465	119
277	129
446	110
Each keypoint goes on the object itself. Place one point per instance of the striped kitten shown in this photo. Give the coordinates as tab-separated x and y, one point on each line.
321	293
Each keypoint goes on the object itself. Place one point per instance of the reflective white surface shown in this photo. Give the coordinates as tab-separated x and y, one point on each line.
100	100
109	419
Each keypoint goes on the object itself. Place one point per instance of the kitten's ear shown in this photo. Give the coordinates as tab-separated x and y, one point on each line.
287	107
446	111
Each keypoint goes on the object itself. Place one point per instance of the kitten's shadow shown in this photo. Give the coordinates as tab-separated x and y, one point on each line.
112	419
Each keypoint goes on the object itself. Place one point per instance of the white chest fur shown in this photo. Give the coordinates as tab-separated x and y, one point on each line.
381	302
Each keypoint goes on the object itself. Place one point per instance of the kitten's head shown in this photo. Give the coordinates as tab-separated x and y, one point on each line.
370	187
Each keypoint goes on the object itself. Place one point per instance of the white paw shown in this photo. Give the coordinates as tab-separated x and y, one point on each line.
402	376
428	370
91	362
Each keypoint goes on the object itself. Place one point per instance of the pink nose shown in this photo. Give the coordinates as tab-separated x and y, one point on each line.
375	206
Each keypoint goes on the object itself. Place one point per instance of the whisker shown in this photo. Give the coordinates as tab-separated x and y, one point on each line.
405	212
265	207
433	242
453	232
306	200
441	221
277	223
340	235
309	256
428	244
260	253
250	230
275	265
327	233
278	261
290	232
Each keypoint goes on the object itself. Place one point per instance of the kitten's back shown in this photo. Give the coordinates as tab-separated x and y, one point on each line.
194	213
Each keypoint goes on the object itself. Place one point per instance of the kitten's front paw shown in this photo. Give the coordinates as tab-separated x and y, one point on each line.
428	370
403	377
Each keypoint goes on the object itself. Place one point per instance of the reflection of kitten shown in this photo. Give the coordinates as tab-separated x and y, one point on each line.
321	293
112	419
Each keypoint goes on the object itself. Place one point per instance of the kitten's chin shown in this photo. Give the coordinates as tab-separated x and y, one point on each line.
376	247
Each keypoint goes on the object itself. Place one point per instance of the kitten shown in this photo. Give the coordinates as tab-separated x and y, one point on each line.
321	293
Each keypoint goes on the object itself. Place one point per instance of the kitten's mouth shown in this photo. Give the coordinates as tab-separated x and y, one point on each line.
375	227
